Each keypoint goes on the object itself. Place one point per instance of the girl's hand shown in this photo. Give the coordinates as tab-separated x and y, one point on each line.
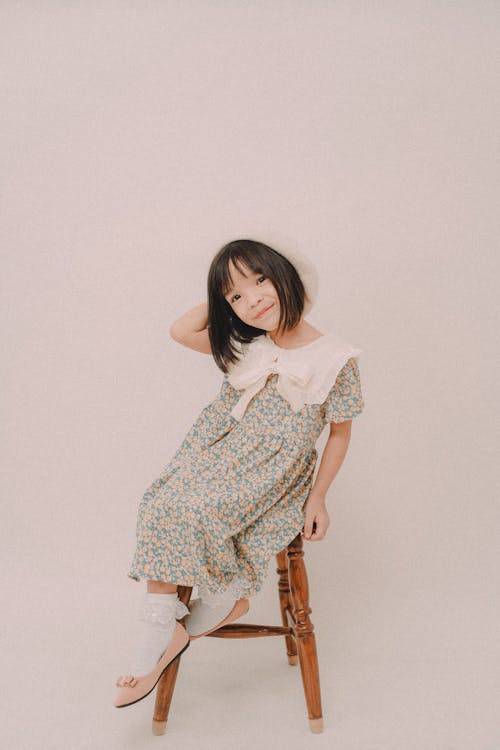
317	514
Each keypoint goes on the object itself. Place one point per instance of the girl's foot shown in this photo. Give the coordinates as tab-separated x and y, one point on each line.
158	620
143	685
212	611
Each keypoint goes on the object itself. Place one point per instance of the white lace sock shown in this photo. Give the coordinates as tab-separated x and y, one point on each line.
236	589
158	617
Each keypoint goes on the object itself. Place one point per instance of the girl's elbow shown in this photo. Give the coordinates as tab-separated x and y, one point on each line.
176	331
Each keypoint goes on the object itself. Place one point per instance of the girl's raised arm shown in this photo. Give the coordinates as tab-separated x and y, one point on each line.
191	329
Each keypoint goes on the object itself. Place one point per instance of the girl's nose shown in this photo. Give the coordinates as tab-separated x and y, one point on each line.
256	301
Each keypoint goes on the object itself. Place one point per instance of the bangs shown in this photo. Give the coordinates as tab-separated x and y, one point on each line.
243	260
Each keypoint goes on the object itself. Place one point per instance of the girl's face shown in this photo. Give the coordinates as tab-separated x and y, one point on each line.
253	298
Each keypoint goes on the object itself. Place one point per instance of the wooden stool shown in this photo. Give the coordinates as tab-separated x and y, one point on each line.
297	629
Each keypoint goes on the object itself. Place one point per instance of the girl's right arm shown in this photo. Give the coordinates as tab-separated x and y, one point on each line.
191	329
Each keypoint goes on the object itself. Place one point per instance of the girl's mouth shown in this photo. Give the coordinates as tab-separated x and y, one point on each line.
261	314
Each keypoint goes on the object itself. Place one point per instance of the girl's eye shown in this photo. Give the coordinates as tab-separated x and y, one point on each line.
237	295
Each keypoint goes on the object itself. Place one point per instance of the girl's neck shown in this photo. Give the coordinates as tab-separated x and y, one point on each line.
303	333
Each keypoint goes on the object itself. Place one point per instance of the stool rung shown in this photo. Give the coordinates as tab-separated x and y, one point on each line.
248	630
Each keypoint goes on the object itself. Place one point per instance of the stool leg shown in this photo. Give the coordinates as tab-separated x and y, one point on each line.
166	683
284	596
303	627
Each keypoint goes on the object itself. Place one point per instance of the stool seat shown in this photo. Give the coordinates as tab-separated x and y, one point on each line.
296	628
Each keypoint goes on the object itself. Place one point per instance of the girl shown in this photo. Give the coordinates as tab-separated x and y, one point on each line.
240	486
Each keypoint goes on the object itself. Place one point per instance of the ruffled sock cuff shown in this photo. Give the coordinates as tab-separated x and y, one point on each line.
237	589
162	608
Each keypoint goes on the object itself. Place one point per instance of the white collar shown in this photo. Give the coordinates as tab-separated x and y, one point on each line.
306	374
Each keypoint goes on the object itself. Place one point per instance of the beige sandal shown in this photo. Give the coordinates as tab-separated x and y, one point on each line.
136	688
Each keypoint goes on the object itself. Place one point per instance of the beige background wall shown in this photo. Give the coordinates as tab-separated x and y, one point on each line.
135	136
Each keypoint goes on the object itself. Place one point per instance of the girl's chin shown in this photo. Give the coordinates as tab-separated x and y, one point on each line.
267	324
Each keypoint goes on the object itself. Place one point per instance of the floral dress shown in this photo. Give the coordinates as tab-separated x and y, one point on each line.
233	494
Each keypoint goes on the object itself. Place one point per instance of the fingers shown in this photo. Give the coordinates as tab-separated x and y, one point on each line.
315	528
306	532
309	525
310	529
317	535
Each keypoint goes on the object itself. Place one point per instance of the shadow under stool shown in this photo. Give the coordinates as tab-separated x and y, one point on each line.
297	629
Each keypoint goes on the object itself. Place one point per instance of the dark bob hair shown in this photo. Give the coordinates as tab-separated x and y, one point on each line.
224	326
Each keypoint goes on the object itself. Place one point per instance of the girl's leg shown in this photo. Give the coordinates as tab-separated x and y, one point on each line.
160	587
161	607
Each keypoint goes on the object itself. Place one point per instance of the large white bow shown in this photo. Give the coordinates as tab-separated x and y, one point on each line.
305	376
294	376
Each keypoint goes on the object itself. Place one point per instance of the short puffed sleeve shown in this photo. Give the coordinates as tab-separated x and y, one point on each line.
345	399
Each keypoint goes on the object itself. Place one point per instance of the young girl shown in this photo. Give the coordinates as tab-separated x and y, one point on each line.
240	486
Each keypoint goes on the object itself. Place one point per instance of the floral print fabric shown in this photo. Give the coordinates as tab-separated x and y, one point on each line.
233	494
345	399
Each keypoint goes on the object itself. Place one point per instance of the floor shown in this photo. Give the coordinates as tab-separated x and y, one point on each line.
388	681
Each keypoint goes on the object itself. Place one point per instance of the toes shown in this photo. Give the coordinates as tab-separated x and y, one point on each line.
126	681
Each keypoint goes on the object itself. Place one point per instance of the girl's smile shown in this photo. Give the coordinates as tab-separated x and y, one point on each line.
263	312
